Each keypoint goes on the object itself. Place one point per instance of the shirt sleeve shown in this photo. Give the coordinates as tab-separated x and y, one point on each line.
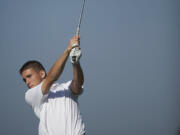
35	98
66	85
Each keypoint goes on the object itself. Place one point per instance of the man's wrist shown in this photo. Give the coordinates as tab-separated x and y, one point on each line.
76	65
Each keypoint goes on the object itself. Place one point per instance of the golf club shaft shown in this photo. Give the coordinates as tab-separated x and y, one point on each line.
80	19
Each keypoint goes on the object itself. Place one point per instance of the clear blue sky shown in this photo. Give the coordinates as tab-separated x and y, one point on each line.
130	61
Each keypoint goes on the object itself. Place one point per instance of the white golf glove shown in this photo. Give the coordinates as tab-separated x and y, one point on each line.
75	54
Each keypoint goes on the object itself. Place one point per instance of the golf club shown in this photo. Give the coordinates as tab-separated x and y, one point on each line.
75	53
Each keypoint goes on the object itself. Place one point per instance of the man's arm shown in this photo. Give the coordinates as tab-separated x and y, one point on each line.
78	79
58	67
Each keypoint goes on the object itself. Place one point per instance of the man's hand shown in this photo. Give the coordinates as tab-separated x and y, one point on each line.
73	41
75	52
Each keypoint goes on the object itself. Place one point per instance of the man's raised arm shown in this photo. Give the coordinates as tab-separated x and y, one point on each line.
58	67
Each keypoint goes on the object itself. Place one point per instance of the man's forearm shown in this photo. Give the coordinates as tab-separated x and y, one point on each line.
78	74
58	67
78	79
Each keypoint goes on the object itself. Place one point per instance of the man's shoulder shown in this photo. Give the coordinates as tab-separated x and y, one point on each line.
34	95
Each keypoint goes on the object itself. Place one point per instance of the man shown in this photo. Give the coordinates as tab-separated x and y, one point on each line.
56	105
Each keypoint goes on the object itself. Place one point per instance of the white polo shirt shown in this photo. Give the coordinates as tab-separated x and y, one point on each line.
57	110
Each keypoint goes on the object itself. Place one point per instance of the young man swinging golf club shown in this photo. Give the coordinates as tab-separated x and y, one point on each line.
56	105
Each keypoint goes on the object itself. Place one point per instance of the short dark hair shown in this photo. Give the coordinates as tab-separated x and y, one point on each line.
36	65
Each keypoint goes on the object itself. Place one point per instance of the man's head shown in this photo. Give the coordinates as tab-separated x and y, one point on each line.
32	73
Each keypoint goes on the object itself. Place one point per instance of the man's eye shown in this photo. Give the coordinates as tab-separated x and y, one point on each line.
28	76
24	80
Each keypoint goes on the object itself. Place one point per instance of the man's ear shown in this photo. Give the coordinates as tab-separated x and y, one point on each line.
42	74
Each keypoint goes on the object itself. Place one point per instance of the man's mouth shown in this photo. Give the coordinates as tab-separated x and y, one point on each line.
30	86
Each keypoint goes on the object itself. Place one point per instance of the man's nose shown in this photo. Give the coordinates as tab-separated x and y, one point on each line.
27	82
